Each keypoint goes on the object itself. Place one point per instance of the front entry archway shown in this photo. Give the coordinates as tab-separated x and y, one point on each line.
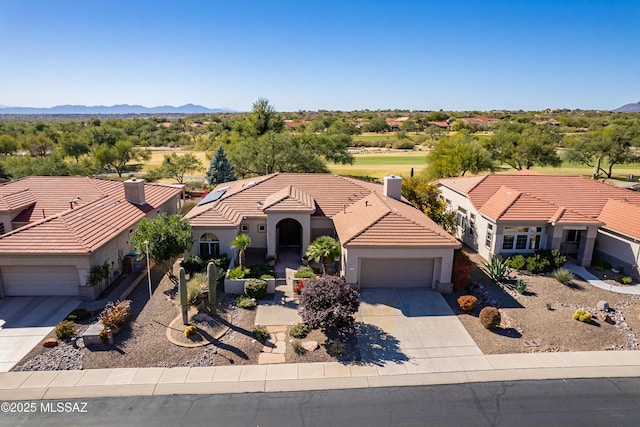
289	234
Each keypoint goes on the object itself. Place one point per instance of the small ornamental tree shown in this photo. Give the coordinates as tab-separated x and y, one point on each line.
327	302
220	169
241	242
168	236
462	267
324	250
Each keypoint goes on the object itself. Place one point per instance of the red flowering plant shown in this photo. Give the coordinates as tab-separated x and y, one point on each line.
297	287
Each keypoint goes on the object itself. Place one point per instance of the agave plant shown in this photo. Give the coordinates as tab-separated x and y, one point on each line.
498	269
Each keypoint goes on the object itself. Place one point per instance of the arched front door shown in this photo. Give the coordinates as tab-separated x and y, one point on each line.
289	234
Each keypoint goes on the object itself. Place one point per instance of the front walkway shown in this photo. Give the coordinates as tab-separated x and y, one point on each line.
593	280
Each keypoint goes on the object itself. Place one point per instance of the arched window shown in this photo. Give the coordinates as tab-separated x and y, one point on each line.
209	246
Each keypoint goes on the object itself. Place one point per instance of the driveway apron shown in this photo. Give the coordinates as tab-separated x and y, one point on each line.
402	324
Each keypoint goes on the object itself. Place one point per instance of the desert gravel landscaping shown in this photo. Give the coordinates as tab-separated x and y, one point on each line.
527	326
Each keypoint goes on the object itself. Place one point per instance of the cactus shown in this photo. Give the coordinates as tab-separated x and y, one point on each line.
182	292
212	279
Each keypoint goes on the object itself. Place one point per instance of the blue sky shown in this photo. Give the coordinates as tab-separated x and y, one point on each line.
308	55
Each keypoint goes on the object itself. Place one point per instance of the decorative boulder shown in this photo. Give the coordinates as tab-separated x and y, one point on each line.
602	306
310	345
51	342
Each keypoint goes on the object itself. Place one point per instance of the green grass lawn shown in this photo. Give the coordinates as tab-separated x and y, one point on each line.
381	164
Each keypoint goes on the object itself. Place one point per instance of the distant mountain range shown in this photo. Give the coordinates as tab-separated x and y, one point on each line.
115	109
628	108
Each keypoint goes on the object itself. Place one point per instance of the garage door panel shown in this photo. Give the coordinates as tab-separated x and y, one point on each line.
40	280
399	273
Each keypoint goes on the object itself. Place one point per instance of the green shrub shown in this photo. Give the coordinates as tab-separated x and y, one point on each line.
299	330
196	286
259	270
490	317
255	288
626	280
193	264
305	272
243	301
335	348
582	316
260	333
189	330
537	264
467	302
78	314
238	273
65	329
563	276
298	348
558	260
521	286
517	262
222	262
601	265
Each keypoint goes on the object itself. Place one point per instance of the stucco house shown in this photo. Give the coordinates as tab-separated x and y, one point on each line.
385	241
521	212
53	230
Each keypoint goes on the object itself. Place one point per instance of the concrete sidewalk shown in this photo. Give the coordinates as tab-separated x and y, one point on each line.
314	376
594	281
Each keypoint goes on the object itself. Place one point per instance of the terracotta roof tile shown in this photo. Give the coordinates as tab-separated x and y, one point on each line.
289	198
87	226
622	217
378	220
18	199
330	192
568	199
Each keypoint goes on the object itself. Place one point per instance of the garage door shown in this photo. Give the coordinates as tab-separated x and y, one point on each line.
40	280
397	273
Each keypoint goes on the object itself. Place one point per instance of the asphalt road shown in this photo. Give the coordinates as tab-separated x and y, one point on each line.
588	402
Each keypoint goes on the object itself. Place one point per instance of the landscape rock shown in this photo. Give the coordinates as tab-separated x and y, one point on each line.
602	306
604	317
51	342
310	345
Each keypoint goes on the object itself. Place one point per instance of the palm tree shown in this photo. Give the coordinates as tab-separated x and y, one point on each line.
241	242
324	249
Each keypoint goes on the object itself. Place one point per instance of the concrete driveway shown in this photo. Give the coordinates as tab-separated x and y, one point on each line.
25	321
413	325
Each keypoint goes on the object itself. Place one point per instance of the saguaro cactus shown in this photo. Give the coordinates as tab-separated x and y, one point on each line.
212	279
182	292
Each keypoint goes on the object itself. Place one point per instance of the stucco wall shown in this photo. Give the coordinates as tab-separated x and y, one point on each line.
322	227
274	218
225	236
618	251
258	238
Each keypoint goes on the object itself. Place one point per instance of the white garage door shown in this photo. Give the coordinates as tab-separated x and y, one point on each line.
40	280
396	273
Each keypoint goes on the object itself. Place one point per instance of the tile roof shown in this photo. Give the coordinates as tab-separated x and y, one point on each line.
88	225
289	199
622	217
247	197
377	220
532	196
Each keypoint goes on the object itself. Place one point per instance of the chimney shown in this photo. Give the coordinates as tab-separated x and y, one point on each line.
393	187
134	191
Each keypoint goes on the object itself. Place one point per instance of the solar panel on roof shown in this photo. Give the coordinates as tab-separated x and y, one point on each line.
212	197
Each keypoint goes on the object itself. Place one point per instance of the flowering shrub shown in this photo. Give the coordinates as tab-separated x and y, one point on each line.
298	286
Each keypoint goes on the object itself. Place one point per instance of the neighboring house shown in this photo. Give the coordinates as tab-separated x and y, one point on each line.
521	212
55	229
479	120
385	241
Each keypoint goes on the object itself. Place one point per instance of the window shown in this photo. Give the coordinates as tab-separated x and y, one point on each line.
461	218
262	228
489	238
209	246
573	236
472	223
244	227
131	231
521	238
